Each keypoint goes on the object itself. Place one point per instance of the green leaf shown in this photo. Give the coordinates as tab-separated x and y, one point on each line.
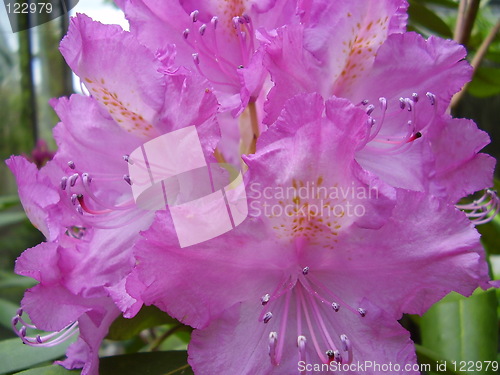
7	312
8	279
422	17
17	356
9	218
153	363
7	201
148	317
435	362
486	82
444	3
48	370
463	329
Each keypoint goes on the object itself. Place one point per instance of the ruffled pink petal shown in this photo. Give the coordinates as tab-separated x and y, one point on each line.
40	263
129	305
174	279
426	250
52	308
297	153
102	55
460	169
93	327
38	197
434	65
237	343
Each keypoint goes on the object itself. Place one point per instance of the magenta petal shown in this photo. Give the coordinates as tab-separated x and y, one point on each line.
173	278
285	56
434	65
237	343
51	308
460	169
40	263
93	327
102	55
38	197
440	247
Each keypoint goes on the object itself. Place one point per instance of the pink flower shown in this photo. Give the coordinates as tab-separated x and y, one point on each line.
82	200
55	305
217	39
357	50
308	280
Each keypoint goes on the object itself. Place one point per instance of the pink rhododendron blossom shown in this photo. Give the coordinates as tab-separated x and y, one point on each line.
315	283
352	184
82	200
356	50
216	38
53	304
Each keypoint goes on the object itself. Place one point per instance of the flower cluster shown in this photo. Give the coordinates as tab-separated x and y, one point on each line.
354	169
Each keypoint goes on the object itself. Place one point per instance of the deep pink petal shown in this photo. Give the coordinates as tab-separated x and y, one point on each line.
173	278
426	250
460	169
51	308
434	65
237	343
40	263
102	56
38	197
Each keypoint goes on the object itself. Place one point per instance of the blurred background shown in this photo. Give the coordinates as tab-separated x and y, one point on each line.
32	71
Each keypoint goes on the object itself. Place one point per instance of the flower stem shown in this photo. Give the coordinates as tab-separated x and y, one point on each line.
254	121
476	61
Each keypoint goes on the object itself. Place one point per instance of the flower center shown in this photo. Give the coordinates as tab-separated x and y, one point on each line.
94	210
305	299
377	140
211	59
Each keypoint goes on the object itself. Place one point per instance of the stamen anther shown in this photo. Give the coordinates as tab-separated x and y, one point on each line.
431	97
273	343
383	103
265	299
194	15
335	306
64	182
71	164
361	312
305	271
196	58
268	316
86	178
72	180
402	103
370	109
127	179
346	344
337	357
214	21
414	97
